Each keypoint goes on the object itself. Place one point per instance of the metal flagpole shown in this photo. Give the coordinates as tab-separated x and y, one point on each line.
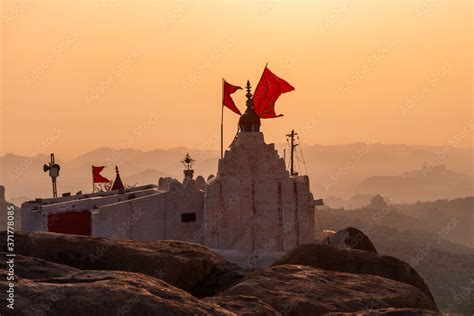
222	121
92	173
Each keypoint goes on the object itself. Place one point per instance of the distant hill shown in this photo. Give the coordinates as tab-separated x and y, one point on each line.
335	170
6	206
420	185
436	238
146	176
356	201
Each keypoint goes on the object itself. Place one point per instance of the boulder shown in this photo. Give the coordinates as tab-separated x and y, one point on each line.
351	238
104	293
191	267
325	234
390	311
244	305
304	290
355	261
35	268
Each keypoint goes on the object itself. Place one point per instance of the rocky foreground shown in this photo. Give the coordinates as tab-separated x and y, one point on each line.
75	275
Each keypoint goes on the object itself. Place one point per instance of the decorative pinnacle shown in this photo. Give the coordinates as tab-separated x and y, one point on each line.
187	161
249	95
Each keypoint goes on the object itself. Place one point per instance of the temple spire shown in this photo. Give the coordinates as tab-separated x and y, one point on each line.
118	184
249	95
249	121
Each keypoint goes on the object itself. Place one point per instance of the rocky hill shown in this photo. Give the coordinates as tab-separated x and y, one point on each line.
66	274
425	184
447	267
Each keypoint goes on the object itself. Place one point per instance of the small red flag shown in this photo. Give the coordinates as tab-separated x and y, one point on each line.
96	176
268	90
227	90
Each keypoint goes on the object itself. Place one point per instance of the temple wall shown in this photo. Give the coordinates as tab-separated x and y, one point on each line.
33	213
184	201
152	217
138	219
30	220
253	205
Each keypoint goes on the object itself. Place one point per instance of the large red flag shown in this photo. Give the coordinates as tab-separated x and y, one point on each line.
227	90
97	177
268	90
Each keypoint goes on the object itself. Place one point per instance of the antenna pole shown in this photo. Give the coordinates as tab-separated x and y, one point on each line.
292	151
53	169
53	179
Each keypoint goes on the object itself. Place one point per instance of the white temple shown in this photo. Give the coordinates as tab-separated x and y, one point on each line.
252	205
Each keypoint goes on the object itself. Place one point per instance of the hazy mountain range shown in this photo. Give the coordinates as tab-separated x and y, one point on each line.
436	238
401	172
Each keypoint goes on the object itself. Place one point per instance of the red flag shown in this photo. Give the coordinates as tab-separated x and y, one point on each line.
268	90
97	178
227	90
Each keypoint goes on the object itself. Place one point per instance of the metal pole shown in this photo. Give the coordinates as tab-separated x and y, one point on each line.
292	148
55	194
222	121
92	174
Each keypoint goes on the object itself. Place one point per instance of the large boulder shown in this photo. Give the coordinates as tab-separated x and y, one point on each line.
390	312
191	267
104	293
304	290
35	268
244	305
355	261
351	238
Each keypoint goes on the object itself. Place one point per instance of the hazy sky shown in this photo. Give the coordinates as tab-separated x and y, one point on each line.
77	75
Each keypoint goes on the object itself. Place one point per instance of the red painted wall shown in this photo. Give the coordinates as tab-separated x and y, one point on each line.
70	222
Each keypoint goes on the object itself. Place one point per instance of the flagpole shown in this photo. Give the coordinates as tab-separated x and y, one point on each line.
222	121
92	172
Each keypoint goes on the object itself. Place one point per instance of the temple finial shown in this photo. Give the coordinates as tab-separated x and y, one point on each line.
249	95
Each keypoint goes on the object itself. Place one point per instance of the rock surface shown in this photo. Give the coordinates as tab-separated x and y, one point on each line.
244	305
191	267
35	268
304	290
355	261
105	293
351	238
391	312
68	274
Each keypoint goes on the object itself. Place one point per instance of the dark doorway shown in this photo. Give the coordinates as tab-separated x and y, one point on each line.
70	222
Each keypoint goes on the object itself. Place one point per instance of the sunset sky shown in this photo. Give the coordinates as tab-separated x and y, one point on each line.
77	75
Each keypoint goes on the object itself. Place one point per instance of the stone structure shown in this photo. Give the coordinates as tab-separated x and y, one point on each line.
170	211
253	205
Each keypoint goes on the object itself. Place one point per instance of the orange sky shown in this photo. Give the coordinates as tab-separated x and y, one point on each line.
77	75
